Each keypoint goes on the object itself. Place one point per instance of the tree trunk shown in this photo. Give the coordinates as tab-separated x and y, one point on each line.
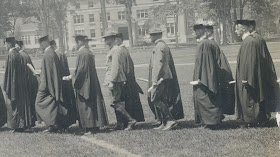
128	7
241	7
104	16
176	24
224	25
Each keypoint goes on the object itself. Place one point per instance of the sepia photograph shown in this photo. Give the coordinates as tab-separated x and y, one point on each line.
140	78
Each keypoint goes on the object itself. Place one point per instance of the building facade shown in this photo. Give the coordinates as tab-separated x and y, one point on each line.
85	18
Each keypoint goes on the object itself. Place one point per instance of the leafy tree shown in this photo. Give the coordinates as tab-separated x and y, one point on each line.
5	24
17	9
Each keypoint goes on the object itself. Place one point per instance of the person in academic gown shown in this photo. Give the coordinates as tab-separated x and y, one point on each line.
164	90
89	99
15	90
250	79
207	103
49	98
31	80
131	88
271	88
67	88
226	93
116	78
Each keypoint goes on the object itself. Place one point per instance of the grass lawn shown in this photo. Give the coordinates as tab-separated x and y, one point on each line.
187	140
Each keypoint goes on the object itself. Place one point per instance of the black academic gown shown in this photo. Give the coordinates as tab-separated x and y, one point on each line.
207	103
250	97
67	90
131	90
271	88
49	98
89	98
163	67
16	92
31	83
226	90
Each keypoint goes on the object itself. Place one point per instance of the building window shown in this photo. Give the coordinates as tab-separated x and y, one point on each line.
26	39
121	15
92	33
90	3
142	14
79	32
78	5
91	17
142	31
108	17
170	29
36	37
78	19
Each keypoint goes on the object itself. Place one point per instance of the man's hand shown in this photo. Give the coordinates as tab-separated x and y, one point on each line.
67	78
194	83
278	118
111	86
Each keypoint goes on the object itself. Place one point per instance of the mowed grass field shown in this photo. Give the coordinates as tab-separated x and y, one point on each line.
187	140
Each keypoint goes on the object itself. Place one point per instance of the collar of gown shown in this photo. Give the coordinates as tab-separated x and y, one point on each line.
20	50
122	45
56	50
81	48
201	38
245	35
158	40
254	32
211	38
11	49
47	48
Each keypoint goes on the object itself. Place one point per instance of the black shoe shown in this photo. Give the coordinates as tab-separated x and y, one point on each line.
211	127
130	125
52	129
18	130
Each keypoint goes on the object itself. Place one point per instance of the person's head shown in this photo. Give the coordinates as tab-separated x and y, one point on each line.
241	27
44	42
10	43
80	41
199	31
19	45
155	34
110	37
119	39
209	30
53	44
252	26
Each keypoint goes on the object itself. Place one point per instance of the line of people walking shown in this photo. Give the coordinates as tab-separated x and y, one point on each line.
59	98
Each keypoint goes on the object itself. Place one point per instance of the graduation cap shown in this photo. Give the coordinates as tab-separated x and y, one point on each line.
52	42
198	26
20	43
209	27
242	22
80	38
44	38
11	40
252	22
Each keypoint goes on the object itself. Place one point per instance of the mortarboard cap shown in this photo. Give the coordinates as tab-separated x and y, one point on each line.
20	43
10	40
198	26
242	22
52	42
252	22
44	38
81	38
